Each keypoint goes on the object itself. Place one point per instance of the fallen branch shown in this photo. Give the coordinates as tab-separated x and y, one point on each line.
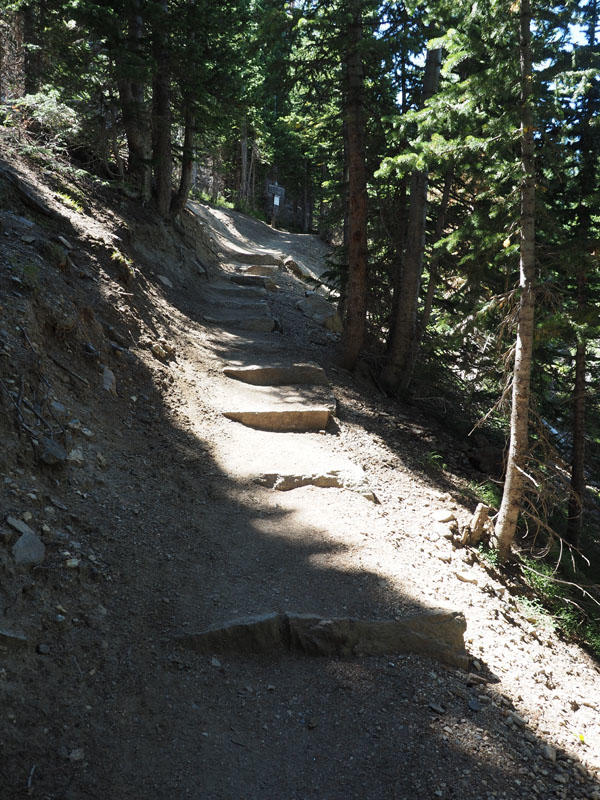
582	587
67	370
17	405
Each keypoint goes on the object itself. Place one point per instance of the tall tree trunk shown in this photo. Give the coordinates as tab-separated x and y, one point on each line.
355	307
12	58
587	179
34	21
306	204
506	524
399	233
161	113
402	348
440	224
187	161
136	118
243	190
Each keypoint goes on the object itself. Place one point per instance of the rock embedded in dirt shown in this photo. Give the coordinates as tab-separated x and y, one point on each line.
29	550
10	638
321	311
549	753
19	525
52	453
165	281
109	382
76	457
445	516
58	409
159	351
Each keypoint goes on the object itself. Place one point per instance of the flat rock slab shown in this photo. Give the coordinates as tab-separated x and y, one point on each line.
263	270
29	550
333	479
438	634
278	375
278	408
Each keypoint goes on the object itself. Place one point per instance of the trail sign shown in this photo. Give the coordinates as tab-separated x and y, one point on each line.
276	190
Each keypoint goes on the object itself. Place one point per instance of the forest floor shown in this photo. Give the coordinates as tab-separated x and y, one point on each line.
156	523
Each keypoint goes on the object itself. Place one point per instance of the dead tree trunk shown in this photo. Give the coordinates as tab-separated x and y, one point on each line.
506	524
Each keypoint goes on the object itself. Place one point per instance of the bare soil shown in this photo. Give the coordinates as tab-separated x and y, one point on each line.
158	528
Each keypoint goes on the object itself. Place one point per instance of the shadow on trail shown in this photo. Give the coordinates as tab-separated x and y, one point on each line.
186	546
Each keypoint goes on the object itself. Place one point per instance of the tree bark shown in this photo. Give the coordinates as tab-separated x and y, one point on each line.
510	507
161	114
355	306
187	161
440	224
243	191
136	119
402	346
34	21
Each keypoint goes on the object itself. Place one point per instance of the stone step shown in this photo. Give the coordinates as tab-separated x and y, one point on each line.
226	289
298	419
247	280
277	375
278	408
352	480
286	461
234	254
243	319
438	634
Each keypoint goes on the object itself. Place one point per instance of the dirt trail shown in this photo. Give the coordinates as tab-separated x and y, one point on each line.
190	534
290	726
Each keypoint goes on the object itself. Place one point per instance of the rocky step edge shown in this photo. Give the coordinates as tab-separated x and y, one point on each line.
438	633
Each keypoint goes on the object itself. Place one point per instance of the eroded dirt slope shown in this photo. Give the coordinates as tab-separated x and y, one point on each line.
153	525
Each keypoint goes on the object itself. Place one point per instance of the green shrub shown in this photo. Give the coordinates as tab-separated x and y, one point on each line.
55	121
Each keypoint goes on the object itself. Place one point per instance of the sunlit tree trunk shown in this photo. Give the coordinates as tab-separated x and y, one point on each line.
512	496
